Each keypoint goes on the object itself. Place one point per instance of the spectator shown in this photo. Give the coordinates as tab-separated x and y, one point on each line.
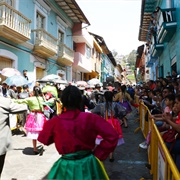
151	84
174	144
13	92
4	90
25	74
25	93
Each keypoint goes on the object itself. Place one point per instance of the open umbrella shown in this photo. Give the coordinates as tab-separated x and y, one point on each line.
81	83
51	77
94	81
8	72
17	80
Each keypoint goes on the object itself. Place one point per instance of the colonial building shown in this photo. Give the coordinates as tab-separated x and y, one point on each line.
37	35
159	30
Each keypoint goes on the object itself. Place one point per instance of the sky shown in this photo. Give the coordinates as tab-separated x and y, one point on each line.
117	21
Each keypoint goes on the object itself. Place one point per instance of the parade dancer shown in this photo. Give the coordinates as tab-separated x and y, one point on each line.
74	133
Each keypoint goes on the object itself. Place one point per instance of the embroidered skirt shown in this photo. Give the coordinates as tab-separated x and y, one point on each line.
81	165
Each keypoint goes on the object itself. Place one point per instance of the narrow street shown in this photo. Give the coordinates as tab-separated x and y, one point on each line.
129	164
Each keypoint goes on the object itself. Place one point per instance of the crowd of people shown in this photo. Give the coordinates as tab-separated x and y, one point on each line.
84	107
162	97
90	119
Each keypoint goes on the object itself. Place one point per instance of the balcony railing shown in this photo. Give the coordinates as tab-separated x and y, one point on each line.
156	48
13	25
45	43
166	24
65	55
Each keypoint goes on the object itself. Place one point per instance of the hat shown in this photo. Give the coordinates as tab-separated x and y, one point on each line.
24	70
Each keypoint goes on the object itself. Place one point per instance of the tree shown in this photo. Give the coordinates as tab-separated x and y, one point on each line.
132	59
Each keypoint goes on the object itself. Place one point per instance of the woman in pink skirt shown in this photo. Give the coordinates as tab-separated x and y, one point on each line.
112	112
36	118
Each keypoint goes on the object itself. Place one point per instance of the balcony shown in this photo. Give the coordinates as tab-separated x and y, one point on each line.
65	55
82	36
13	25
45	43
167	25
157	50
81	63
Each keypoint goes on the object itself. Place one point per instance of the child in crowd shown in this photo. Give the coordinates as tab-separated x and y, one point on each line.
169	102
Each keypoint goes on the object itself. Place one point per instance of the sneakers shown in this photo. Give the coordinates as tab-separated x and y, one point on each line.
143	145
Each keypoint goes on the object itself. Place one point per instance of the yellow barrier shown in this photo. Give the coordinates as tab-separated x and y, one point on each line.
143	116
162	164
58	108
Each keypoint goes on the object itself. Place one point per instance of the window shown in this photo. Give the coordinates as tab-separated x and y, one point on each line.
39	21
60	37
88	52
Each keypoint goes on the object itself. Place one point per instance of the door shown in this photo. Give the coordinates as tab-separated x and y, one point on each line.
5	63
39	73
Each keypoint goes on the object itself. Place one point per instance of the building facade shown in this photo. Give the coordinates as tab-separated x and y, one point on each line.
37	35
159	30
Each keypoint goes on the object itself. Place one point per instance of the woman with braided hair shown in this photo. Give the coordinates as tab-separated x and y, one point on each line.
112	112
74	134
36	118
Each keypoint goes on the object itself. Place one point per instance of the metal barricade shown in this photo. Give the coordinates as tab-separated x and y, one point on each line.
159	158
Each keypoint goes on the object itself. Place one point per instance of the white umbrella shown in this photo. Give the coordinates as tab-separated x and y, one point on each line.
50	77
81	83
17	80
94	81
8	72
60	81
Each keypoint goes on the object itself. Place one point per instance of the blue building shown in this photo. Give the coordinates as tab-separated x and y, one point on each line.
36	35
160	21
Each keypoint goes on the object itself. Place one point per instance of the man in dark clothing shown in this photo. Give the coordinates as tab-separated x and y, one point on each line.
85	101
4	89
25	74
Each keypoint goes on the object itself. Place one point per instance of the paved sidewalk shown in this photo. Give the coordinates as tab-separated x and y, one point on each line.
129	164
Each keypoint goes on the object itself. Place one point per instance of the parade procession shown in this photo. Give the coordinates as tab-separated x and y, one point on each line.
71	108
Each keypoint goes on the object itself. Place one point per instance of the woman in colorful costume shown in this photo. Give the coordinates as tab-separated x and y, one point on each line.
124	99
74	133
36	119
111	111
